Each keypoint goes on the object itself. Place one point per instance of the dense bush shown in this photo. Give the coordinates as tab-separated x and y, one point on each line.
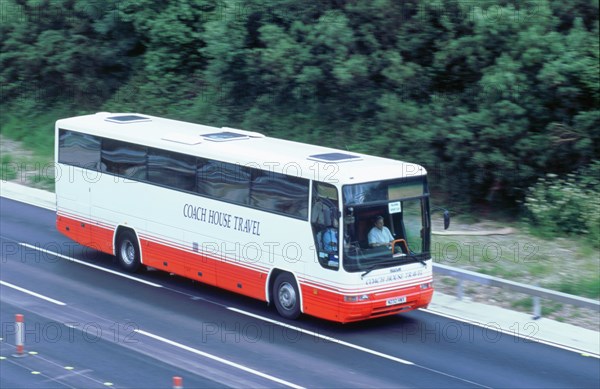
488	96
567	205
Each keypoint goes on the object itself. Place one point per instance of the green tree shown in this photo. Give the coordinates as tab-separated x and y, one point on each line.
63	51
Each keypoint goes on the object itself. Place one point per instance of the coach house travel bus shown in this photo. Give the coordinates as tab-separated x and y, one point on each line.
284	222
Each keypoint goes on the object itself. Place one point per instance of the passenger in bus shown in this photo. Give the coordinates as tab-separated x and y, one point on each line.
380	235
330	237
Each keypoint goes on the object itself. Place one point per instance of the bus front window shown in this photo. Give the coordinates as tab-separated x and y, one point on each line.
385	224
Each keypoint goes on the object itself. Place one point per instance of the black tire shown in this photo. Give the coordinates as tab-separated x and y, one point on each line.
128	251
286	296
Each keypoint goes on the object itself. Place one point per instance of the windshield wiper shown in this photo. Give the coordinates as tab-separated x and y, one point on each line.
379	265
418	258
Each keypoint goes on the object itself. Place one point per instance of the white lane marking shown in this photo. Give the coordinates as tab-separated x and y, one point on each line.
324	337
498	328
29	292
218	359
356	347
90	265
542	341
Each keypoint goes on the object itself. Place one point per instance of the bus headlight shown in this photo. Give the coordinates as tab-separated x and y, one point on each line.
356	298
426	285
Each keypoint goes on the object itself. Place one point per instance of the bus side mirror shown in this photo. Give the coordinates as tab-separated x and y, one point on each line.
446	220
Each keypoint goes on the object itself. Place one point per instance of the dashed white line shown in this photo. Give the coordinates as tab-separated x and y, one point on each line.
356	347
31	293
90	265
324	337
219	359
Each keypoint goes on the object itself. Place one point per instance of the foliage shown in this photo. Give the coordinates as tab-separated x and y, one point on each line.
23	121
6	173
488	96
587	286
568	205
63	51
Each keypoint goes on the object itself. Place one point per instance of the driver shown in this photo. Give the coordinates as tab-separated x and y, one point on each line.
380	235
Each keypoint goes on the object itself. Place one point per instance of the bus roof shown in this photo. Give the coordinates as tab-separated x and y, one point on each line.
242	147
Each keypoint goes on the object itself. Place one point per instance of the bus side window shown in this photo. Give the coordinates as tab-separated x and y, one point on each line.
280	193
223	181
171	169
79	150
124	159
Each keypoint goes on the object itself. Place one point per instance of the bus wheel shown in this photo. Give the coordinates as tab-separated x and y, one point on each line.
286	296
128	251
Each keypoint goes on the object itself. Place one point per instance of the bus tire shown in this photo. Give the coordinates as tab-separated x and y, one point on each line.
128	251
286	296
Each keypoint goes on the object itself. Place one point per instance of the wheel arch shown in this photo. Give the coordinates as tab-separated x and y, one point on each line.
119	230
271	282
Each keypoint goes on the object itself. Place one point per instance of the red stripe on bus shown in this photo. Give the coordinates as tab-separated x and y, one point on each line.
318	299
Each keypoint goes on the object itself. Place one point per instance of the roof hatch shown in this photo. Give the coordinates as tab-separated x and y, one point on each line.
251	134
224	136
334	157
126	119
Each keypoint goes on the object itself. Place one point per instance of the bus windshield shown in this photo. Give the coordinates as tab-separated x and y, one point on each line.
386	224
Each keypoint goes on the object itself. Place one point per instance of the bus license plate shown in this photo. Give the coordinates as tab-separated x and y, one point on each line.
395	300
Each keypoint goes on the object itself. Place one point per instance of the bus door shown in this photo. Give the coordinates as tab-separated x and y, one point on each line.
325	228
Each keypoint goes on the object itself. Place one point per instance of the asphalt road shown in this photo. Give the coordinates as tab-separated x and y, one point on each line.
90	325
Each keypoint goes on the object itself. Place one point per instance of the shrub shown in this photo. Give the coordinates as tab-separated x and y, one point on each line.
567	205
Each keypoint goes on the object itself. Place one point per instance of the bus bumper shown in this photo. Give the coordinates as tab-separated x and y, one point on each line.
385	304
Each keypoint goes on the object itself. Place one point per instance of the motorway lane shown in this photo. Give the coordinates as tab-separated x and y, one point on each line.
101	306
93	296
481	355
63	357
447	353
203	324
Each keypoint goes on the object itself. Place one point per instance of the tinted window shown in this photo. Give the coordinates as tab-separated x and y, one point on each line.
172	169
124	159
78	149
223	181
269	191
280	193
